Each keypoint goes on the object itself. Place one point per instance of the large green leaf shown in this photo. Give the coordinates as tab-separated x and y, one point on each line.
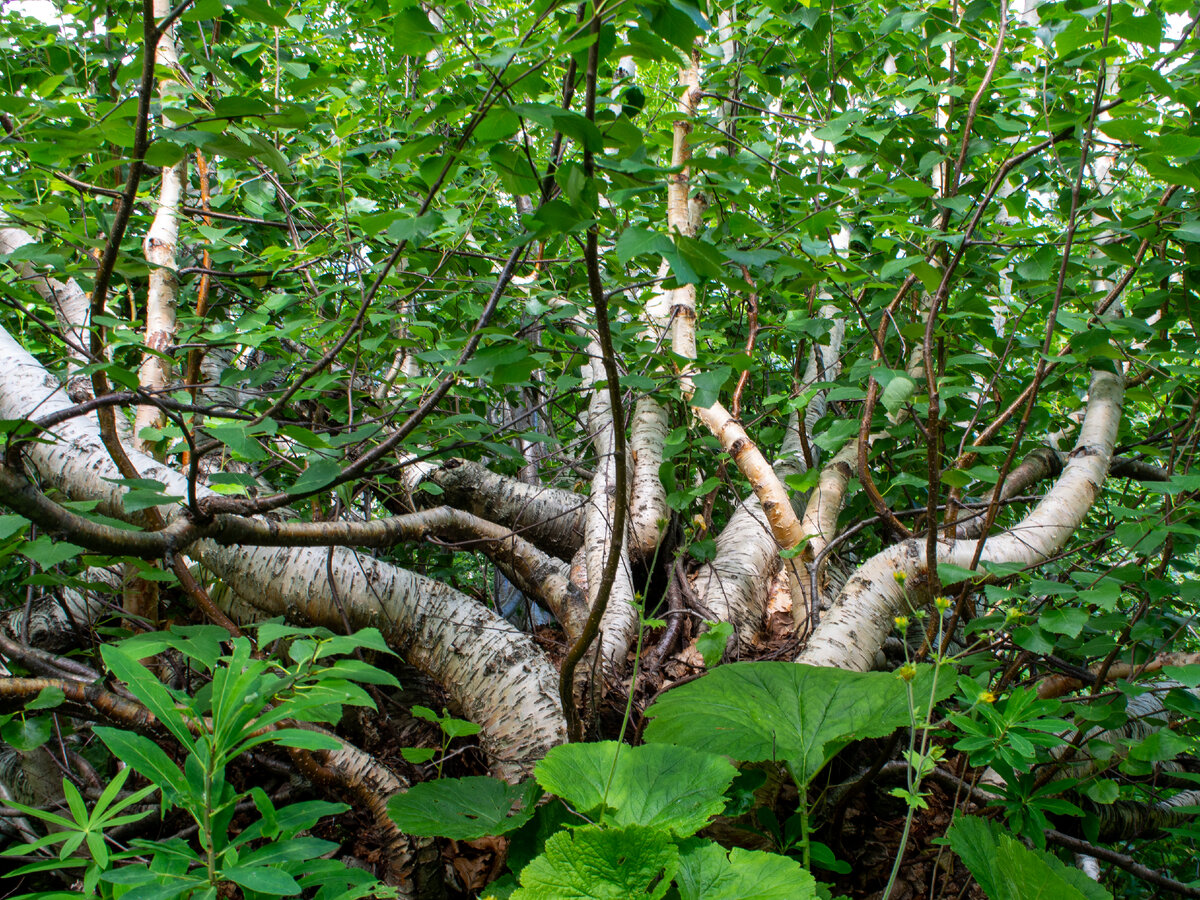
1007	870
659	786
707	871
463	808
785	711
592	863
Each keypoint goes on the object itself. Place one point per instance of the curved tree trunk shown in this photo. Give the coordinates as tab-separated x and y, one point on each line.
863	614
493	670
548	517
734	585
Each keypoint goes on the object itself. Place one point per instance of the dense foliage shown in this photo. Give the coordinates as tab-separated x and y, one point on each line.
629	379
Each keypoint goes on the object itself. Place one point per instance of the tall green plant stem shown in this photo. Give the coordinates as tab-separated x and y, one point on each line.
914	783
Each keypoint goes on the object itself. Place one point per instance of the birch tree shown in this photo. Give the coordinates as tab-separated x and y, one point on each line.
856	336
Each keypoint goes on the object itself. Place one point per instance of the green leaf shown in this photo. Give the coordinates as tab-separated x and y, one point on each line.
708	385
291	850
671	788
10	525
26	733
147	758
139	499
1159	746
1188	230
237	439
1103	791
456	728
149	690
636	241
48	553
1006	870
707	871
48	698
897	393
713	642
593	864
301	738
413	33
418	755
364	672
414	229
262	879
761	711
463	809
320	471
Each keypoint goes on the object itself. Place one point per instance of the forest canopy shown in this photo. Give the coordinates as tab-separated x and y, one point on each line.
766	430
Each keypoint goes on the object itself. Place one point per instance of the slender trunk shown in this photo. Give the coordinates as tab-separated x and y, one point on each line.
648	512
160	248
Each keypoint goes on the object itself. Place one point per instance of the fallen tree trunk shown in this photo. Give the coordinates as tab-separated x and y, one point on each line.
494	671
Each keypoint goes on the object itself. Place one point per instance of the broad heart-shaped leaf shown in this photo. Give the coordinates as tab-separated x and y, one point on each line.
1007	870
656	785
708	871
593	863
786	711
27	733
463	808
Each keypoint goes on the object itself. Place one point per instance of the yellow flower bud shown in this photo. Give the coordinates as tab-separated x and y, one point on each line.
942	603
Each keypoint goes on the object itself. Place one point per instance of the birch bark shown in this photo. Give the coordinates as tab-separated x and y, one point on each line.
864	611
492	670
160	248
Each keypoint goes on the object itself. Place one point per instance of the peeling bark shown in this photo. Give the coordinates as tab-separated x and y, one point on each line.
820	526
494	671
1125	820
734	585
548	517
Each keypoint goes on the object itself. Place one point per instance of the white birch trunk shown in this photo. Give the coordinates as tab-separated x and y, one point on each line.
493	671
160	248
548	517
648	512
864	612
71	306
820	525
734	585
619	624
